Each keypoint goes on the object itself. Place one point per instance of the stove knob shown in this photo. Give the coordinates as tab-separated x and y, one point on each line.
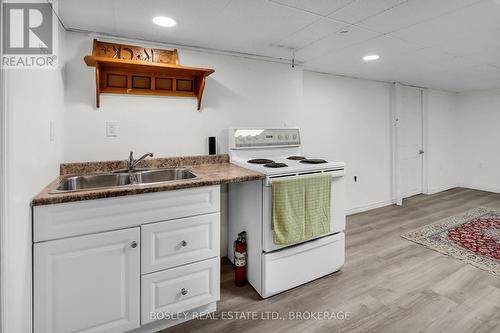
280	137
287	137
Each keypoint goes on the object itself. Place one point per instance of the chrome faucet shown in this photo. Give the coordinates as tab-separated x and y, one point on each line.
132	163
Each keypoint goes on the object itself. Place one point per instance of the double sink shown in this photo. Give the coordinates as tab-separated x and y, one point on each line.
122	178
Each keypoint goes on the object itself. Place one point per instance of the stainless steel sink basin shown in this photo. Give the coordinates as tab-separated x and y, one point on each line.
116	179
163	175
80	183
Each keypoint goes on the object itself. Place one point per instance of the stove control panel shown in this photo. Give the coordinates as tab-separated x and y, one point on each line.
263	137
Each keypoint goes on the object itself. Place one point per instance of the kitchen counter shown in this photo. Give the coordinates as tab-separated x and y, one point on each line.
211	170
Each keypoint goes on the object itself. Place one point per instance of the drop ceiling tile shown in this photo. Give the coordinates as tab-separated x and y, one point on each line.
464	31
399	61
86	17
321	7
384	45
237	25
412	12
457	63
362	9
353	68
129	18
335	42
474	73
348	61
427	55
482	46
312	33
477	77
456	48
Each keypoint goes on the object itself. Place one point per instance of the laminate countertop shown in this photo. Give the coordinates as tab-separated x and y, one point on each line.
210	170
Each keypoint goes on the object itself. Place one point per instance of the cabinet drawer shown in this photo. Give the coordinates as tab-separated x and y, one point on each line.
178	242
90	216
180	289
315	258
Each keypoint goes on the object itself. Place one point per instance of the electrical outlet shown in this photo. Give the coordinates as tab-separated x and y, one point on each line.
111	128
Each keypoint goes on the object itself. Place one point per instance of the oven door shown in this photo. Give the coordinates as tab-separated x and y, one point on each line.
337	213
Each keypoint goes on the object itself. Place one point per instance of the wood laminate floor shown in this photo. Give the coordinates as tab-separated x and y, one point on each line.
388	284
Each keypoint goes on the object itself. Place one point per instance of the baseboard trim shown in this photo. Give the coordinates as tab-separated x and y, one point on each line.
441	189
481	188
380	204
375	205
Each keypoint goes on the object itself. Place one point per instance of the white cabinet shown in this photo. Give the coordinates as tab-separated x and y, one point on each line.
87	278
88	283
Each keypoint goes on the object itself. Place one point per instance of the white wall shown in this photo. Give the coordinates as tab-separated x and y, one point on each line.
33	98
442	140
349	119
241	92
479	152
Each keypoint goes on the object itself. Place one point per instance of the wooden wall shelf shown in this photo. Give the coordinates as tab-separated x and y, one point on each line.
125	69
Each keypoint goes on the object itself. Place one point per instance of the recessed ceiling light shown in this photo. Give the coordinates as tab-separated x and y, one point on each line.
371	57
164	21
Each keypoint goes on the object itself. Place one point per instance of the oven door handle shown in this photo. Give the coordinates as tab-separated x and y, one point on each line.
335	173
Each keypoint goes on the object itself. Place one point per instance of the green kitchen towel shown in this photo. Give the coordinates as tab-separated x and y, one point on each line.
301	208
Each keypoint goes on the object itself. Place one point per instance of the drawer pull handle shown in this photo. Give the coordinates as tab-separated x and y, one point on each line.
134	244
184	243
184	291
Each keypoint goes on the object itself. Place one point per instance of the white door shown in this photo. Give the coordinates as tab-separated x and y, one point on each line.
410	141
88	283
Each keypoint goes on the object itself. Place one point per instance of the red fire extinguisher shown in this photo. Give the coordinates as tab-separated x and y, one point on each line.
240	259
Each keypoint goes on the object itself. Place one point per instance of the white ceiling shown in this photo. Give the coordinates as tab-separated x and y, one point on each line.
444	44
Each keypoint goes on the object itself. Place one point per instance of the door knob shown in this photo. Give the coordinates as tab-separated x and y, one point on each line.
421	151
134	244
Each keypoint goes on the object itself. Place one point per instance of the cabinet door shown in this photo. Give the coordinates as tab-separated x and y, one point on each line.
88	283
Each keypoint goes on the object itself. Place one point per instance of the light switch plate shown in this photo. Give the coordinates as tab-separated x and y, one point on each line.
52	131
111	128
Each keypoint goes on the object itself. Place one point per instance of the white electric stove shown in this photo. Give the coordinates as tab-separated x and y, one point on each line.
276	152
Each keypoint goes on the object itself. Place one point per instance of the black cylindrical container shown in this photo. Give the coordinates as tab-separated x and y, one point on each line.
211	145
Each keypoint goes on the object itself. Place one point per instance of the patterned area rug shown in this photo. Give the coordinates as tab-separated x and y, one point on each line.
473	237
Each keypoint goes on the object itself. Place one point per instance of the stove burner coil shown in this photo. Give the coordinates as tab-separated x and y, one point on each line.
260	161
275	165
296	158
313	161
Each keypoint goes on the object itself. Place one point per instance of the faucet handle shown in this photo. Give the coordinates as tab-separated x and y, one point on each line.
130	159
